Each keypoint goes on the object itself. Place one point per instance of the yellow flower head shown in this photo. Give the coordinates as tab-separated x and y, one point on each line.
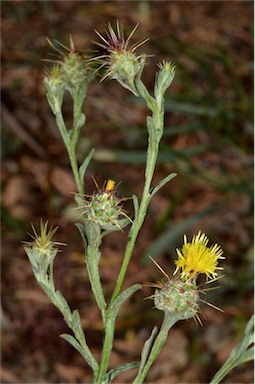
196	257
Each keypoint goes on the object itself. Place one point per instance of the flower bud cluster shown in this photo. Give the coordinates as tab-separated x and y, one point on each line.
71	72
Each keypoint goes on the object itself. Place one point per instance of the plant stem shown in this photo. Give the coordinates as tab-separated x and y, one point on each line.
92	262
107	347
94	278
70	146
222	373
71	153
109	323
101	376
152	154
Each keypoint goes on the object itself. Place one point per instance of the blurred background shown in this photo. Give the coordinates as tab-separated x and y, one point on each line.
208	142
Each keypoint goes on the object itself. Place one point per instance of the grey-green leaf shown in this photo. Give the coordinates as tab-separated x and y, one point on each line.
81	121
147	348
49	292
84	352
82	231
246	356
122	297
109	228
240	354
77	328
63	306
162	183
136	204
122	368
84	166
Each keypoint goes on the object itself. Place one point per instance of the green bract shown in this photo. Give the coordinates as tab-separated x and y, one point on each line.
177	297
103	209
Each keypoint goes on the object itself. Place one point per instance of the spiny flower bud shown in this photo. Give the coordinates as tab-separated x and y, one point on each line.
104	209
75	70
177	297
42	242
54	79
121	61
55	85
42	251
124	67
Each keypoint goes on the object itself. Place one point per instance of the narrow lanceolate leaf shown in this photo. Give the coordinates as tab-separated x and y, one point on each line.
147	348
109	228
81	121
85	352
242	353
136	204
143	92
63	306
124	296
47	289
245	357
162	183
84	166
51	102
122	368
77	328
245	343
82	231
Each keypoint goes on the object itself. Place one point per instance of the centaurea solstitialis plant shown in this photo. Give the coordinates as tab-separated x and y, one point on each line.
102	212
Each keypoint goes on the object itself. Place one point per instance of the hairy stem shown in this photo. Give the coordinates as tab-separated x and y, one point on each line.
70	147
152	154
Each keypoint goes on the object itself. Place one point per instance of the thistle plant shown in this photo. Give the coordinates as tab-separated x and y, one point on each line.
102	212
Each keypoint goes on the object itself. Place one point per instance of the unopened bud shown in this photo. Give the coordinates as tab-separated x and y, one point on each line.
164	78
103	208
